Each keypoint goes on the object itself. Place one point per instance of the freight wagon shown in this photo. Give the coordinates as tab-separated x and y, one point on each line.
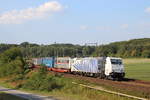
37	61
47	61
62	64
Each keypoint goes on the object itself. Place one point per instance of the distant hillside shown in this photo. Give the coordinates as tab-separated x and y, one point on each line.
130	48
142	41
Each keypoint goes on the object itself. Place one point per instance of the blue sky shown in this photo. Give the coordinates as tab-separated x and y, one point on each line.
73	21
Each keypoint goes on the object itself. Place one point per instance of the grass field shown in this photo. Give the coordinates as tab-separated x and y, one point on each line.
137	68
5	96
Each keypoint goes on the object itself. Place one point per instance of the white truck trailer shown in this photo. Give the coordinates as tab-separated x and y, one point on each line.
103	67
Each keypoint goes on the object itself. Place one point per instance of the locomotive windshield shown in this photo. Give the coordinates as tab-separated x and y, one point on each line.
116	61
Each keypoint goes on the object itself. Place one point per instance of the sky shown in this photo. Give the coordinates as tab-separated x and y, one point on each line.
73	21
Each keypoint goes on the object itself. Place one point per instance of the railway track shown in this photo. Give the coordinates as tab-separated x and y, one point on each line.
137	83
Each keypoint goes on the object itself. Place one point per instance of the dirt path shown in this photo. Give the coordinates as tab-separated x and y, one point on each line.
29	96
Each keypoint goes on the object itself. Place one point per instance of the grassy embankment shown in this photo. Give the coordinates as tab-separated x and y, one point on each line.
137	68
65	91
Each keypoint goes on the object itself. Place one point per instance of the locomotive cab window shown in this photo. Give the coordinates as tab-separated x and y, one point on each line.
116	61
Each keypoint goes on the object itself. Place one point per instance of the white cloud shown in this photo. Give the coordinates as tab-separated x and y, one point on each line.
124	26
19	16
147	10
84	27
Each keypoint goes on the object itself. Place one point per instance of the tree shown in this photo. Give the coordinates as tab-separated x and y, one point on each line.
146	53
25	44
11	62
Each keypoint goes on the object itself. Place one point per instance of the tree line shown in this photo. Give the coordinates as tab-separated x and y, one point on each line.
125	49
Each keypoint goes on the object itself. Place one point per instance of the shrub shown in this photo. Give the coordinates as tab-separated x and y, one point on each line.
42	81
11	68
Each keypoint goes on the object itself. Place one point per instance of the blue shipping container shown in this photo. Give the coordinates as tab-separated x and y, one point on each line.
49	62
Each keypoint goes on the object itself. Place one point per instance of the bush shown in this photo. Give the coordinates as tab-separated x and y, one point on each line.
17	78
11	68
42	81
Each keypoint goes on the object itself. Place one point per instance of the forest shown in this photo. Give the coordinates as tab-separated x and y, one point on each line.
126	49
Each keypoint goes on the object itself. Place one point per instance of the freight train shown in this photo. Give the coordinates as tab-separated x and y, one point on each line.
103	67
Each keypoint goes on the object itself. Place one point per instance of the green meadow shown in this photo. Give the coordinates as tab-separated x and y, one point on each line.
137	68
